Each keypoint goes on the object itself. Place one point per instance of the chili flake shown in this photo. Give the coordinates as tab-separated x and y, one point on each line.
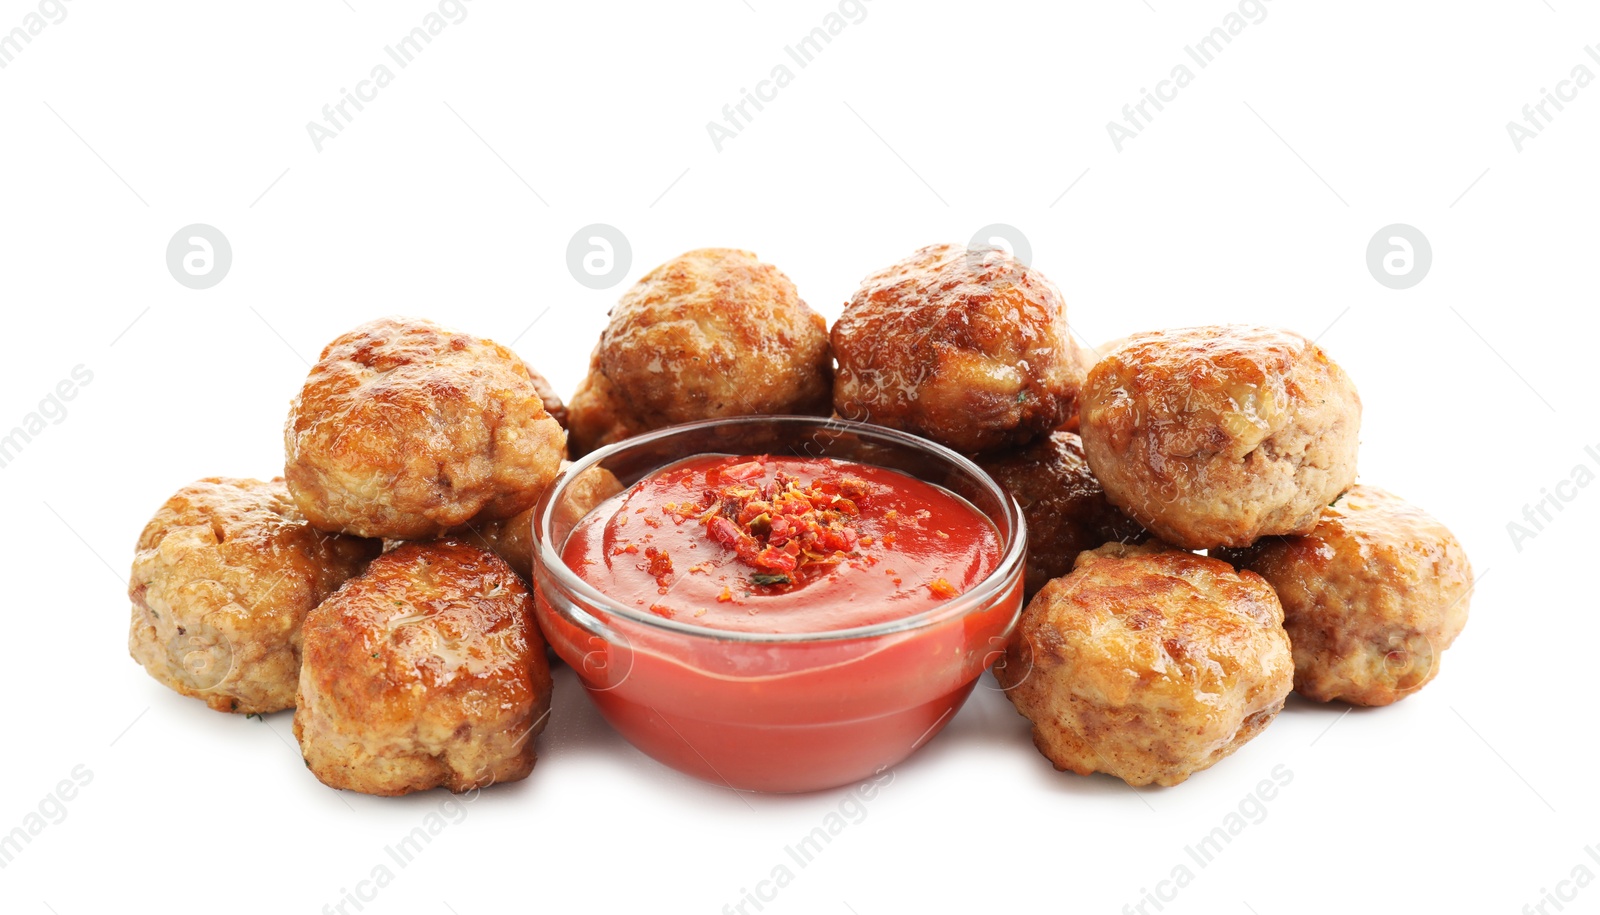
660	565
787	532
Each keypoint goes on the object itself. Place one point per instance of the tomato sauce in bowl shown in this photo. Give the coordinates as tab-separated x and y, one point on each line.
773	621
783	544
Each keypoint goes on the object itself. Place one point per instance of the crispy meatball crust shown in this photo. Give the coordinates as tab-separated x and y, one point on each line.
969	348
1216	436
548	396
513	539
223	577
405	430
1371	598
1148	663
1063	504
427	670
712	333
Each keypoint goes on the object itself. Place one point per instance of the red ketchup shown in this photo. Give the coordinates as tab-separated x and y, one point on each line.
734	547
783	544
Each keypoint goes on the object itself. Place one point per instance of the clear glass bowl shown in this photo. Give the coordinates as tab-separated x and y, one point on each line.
777	711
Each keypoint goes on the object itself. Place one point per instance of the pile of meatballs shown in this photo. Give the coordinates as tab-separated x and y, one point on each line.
1197	544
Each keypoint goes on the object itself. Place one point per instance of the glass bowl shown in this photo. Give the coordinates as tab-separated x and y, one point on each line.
788	711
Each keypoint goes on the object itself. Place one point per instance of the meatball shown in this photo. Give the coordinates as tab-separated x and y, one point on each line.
1063	504
427	670
1216	436
1371	598
1148	663
223	576
548	397
513	539
712	333
405	430
969	348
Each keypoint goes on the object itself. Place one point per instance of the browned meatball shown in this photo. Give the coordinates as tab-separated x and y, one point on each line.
224	576
548	396
513	538
967	347
1083	358
1148	663
1215	436
510	538
1371	598
1063	504
712	333
427	670
405	430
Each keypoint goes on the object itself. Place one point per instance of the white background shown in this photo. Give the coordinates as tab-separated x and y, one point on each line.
1250	198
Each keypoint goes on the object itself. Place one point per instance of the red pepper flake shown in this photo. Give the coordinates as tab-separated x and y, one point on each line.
748	470
724	597
660	565
661	610
723	531
784	530
942	589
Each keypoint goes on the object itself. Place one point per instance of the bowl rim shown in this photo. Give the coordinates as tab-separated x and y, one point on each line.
1013	552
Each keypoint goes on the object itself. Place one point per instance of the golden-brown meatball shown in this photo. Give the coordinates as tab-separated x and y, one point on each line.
712	333
427	670
1063	504
1371	598
969	348
405	430
1148	663
223	576
548	396
513	539
1215	436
